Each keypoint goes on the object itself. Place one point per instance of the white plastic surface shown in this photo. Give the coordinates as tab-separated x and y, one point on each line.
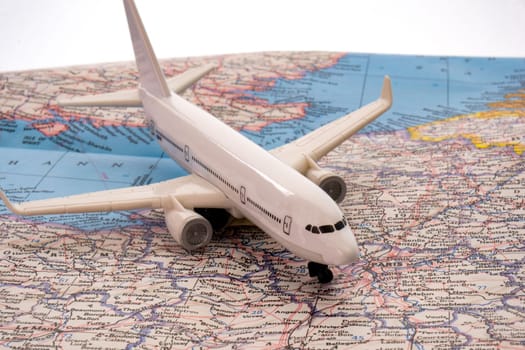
191	191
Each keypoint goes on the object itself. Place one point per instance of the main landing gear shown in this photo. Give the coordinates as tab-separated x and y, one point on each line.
321	271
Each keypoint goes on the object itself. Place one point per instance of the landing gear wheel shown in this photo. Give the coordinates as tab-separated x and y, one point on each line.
321	271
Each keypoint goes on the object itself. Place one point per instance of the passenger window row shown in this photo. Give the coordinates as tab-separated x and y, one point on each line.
264	210
216	174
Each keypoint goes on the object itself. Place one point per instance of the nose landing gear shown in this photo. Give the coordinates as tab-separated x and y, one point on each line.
321	271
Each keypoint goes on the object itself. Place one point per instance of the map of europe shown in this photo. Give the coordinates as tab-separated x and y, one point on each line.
436	199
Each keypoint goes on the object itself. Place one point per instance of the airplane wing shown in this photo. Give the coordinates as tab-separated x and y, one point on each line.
131	98
190	191
311	147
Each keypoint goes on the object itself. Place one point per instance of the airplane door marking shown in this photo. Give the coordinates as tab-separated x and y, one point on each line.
243	195
287	224
187	153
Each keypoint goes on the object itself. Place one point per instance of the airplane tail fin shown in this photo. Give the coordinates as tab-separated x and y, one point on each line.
150	75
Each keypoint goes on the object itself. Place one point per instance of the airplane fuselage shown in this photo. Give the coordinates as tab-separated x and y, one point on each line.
275	197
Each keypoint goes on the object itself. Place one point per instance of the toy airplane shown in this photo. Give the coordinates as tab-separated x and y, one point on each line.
284	192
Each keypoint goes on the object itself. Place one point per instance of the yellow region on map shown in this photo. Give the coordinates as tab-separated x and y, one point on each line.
510	112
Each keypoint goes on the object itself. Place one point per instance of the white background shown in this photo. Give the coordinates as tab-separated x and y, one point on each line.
51	33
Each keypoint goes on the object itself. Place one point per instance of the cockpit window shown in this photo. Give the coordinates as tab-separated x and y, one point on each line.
326	228
338	226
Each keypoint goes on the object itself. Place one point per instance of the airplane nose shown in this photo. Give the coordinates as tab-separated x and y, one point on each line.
346	250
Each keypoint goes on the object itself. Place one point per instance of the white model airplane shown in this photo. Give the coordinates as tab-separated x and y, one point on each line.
284	192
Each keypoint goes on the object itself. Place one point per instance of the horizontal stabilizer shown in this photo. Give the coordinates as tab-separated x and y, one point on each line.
183	81
131	98
127	98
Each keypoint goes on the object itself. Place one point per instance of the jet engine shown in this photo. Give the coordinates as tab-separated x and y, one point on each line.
189	229
332	184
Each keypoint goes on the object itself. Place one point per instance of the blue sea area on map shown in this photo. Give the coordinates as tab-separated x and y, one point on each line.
425	89
38	174
82	136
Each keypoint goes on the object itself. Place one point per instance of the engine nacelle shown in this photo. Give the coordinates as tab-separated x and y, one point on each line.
332	184
189	229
